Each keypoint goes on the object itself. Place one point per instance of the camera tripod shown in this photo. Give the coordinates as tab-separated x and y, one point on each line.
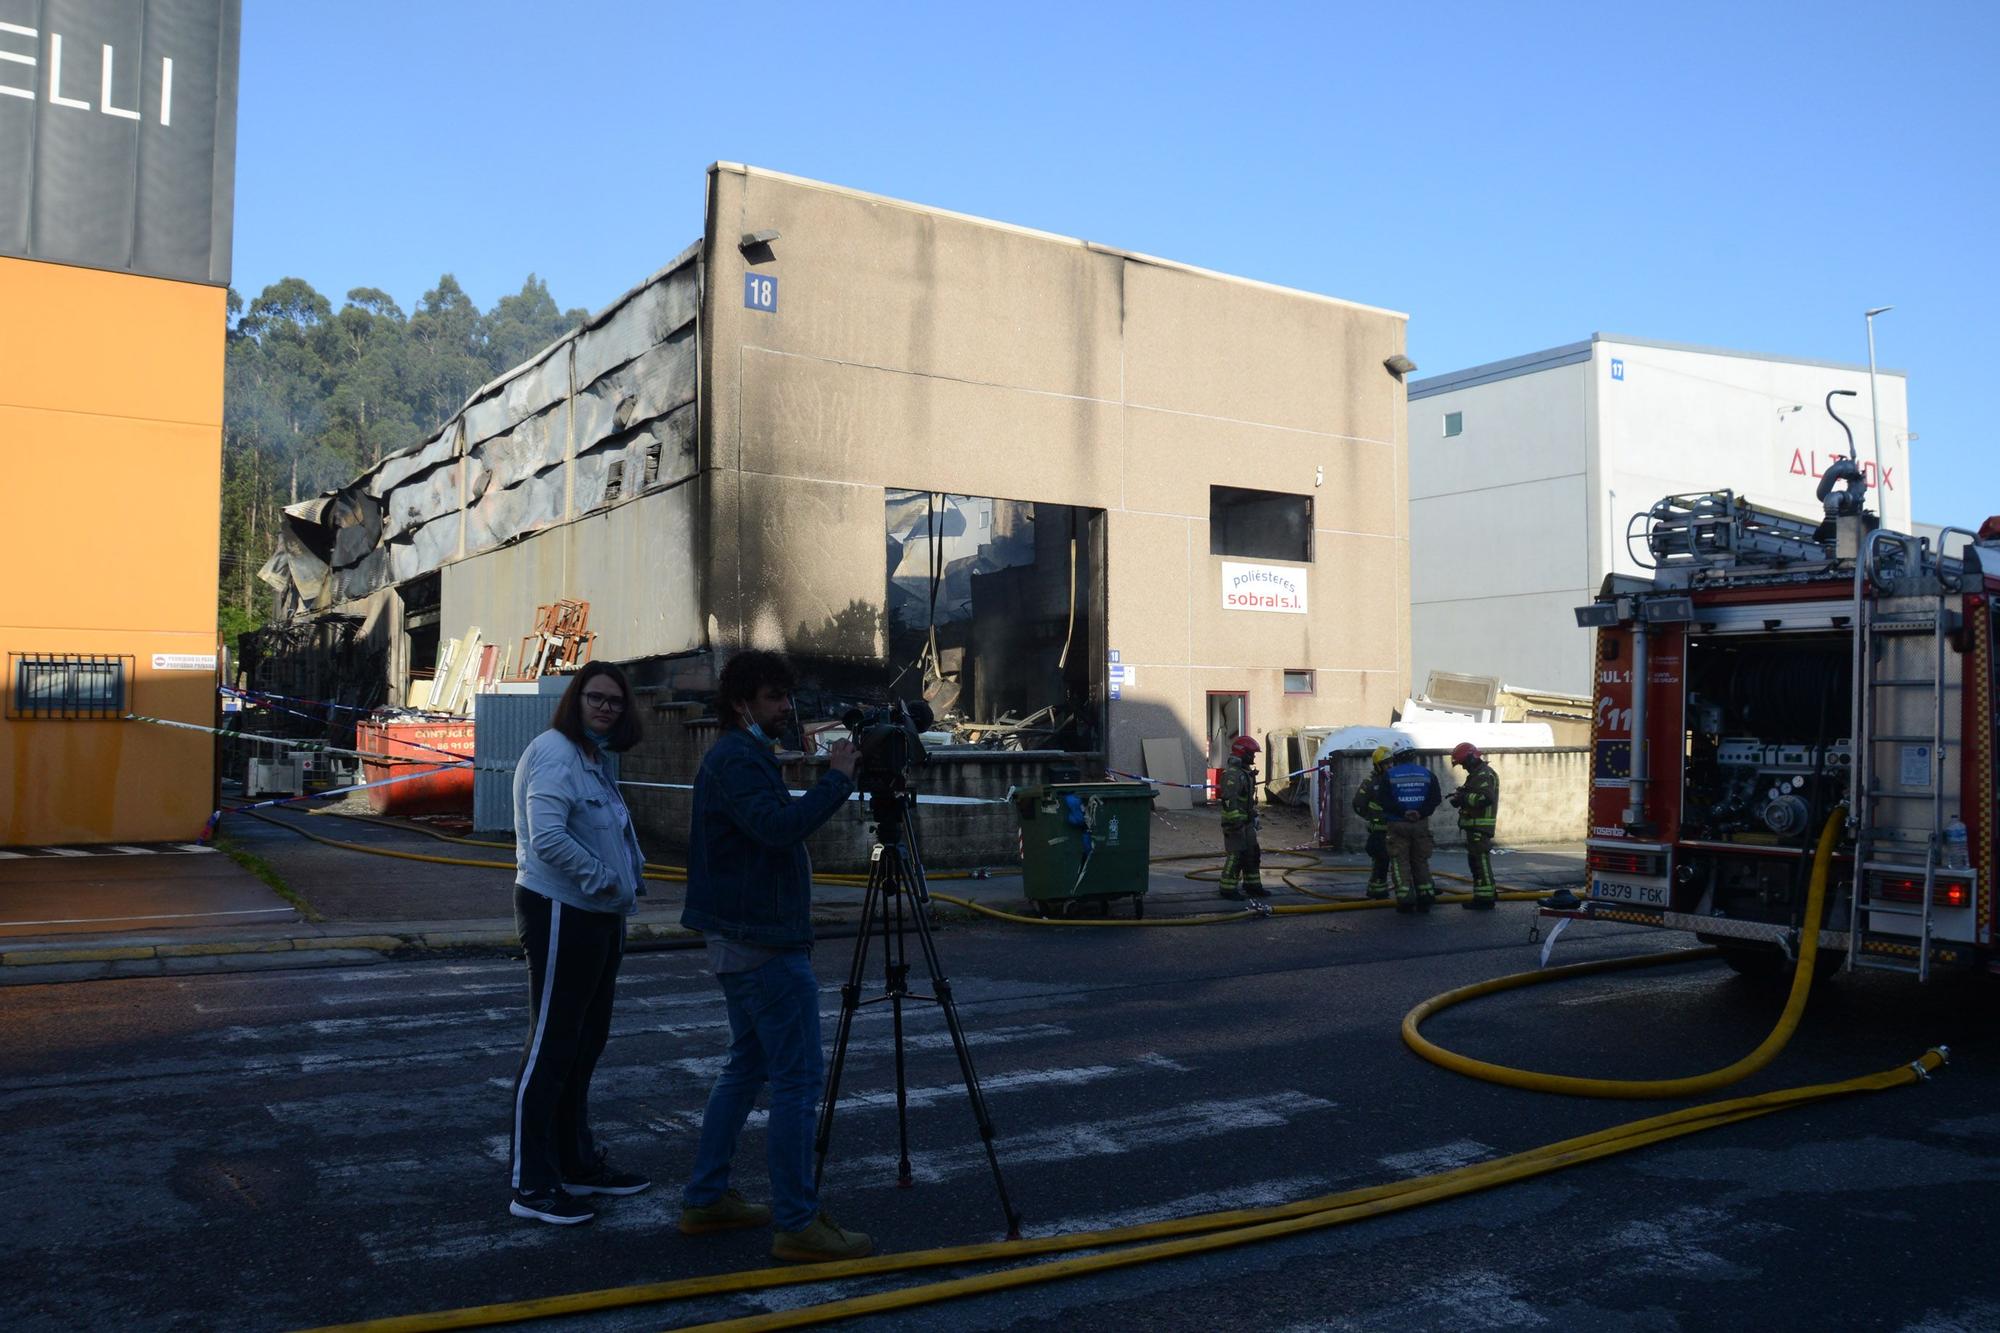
897	899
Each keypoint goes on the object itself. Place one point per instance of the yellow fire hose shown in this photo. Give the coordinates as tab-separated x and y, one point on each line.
678	874
1169	1239
1221	1230
1766	1051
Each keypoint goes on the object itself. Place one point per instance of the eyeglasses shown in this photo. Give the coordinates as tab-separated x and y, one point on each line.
611	702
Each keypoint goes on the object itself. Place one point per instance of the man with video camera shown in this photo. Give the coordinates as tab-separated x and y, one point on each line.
749	891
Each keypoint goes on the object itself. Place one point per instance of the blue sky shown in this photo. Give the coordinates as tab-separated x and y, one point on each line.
1514	177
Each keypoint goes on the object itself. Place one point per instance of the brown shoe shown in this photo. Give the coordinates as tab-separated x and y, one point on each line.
818	1241
731	1212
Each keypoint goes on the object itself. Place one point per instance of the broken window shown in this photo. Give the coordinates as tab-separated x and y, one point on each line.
996	614
1260	525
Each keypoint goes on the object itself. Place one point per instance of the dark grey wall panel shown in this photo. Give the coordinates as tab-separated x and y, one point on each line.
118	133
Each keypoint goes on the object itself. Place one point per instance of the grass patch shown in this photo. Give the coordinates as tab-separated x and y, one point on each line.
263	870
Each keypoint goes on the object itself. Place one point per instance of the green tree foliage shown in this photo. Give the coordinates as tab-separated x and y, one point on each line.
314	396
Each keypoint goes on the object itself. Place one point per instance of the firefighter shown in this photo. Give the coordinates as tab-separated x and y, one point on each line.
1369	807
1409	793
1241	857
1478	803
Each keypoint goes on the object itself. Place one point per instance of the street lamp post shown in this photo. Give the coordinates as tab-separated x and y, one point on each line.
1874	412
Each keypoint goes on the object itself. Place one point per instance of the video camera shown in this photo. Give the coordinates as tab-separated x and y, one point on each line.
891	743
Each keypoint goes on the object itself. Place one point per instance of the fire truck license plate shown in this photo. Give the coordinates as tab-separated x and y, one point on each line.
1612	891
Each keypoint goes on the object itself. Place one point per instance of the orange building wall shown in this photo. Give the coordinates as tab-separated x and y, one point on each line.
110	491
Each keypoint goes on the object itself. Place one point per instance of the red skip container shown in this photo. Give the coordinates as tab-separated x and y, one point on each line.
445	791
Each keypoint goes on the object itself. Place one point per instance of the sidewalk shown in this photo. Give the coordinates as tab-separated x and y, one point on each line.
82	918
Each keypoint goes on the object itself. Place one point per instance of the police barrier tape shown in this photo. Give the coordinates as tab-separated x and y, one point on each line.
342	791
1203	786
228	692
852	796
309	746
234	692
460	762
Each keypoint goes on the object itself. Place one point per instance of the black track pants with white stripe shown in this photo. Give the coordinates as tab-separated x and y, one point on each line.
573	958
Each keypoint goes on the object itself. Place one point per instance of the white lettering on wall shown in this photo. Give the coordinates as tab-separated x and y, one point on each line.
16	58
56	98
55	76
105	99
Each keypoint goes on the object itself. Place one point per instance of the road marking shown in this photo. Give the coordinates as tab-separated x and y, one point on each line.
62	851
135	851
1628	990
1212	1119
1444	1157
706	1067
1261	1194
164	916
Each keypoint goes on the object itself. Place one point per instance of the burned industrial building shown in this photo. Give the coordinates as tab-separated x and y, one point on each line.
1020	476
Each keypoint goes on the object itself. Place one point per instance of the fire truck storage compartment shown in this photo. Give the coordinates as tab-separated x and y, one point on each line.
1768	757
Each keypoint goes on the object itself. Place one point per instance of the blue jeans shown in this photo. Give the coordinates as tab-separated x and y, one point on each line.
774	1037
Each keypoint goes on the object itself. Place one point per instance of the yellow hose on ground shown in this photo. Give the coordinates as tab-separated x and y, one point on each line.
1217	1231
1210	1231
678	875
1766	1051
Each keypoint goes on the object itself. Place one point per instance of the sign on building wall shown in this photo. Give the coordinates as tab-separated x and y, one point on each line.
118	134
1263	588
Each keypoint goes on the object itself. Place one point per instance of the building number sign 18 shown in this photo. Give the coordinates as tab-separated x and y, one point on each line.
760	292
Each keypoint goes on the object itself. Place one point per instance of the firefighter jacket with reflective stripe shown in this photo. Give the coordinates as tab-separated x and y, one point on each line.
1407	787
1238	790
1479	797
1369	806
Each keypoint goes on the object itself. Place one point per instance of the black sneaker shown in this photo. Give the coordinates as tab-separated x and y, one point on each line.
552	1206
607	1179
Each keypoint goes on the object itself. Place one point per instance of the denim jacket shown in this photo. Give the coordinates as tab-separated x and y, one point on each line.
573	839
749	877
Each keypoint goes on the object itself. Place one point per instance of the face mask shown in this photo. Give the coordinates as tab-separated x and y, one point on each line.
601	739
757	731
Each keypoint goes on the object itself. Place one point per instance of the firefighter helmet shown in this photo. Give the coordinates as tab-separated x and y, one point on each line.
1242	747
1381	755
1464	753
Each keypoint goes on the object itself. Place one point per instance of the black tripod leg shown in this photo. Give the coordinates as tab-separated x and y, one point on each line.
895	949
850	1000
941	988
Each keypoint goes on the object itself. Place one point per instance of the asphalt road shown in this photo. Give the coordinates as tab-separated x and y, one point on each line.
282	1149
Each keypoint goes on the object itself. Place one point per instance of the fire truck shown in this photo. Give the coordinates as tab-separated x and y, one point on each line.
1766	670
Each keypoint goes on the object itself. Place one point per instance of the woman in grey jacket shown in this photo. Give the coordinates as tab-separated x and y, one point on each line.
577	878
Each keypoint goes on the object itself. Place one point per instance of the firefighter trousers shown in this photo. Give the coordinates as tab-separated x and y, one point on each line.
1479	859
1410	845
1380	870
1242	861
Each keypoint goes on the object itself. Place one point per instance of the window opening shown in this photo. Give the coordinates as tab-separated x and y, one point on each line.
1260	525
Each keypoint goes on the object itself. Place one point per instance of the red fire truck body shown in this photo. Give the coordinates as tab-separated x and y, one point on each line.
1769	671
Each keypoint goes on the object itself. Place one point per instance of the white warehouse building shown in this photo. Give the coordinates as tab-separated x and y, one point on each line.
1525	473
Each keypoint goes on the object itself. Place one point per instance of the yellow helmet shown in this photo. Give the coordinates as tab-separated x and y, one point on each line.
1381	754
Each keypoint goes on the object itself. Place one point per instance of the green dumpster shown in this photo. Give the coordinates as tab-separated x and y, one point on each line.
1085	843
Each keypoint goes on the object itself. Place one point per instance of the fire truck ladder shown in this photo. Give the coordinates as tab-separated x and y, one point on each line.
1895	567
